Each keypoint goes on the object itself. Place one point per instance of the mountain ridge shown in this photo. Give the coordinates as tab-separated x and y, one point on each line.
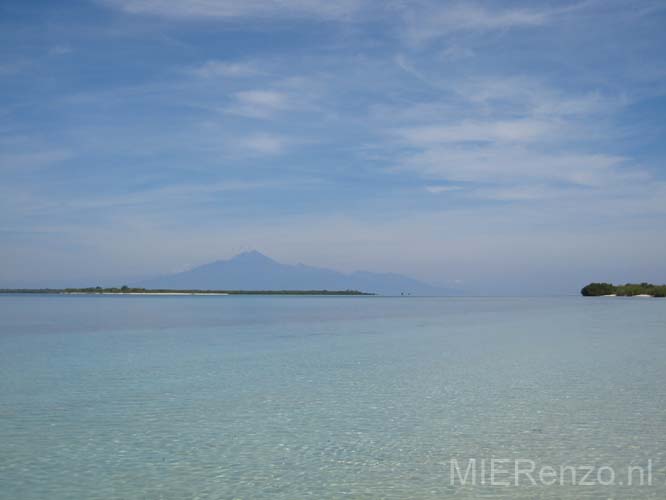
252	270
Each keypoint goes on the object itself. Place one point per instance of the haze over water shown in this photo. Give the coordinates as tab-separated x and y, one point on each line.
324	397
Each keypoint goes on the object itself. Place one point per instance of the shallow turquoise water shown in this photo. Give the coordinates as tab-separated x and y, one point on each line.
325	397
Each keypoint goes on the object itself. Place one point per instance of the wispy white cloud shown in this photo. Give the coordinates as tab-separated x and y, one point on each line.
214	69
263	144
525	130
33	160
258	103
436	189
538	192
510	138
516	164
164	195
435	20
456	52
29	201
245	8
529	95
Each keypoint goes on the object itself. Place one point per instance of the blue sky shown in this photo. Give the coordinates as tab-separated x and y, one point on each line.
492	146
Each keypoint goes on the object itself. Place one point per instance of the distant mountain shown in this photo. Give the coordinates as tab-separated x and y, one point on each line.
254	271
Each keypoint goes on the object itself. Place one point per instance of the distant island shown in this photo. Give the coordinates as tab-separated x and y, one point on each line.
253	273
628	290
125	290
253	270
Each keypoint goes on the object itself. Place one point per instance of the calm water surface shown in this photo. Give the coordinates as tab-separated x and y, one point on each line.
325	397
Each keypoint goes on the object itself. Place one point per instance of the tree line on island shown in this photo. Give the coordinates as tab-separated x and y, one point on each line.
628	290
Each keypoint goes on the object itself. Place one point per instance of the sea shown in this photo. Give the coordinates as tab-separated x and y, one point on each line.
305	397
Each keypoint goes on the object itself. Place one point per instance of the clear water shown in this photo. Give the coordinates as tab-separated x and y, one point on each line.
325	397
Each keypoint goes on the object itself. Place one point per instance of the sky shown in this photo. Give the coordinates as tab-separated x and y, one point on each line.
493	147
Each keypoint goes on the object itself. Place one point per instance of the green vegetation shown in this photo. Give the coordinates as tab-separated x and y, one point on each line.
628	290
126	289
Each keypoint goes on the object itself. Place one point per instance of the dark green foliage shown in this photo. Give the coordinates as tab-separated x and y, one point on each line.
628	290
597	289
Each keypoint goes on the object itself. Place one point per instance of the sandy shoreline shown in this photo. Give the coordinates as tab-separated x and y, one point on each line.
640	295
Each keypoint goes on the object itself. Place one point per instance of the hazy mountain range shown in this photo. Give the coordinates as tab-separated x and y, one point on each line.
255	271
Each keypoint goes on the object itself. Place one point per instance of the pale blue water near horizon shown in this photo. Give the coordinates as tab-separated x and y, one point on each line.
325	397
